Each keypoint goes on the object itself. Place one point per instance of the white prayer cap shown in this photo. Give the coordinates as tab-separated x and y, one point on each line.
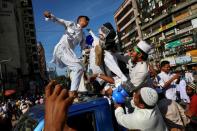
149	96
145	47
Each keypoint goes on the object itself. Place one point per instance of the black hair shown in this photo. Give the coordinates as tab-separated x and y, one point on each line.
144	55
83	16
163	63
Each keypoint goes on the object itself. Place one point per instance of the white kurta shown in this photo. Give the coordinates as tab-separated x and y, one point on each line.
138	73
170	93
181	87
64	55
110	60
141	119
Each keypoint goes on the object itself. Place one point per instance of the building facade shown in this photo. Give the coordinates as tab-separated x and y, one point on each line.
128	24
170	26
42	61
18	42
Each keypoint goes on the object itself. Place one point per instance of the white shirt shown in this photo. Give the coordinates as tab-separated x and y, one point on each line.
170	93
110	60
138	73
189	77
141	119
181	87
72	37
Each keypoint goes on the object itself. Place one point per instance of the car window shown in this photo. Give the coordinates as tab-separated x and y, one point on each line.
82	122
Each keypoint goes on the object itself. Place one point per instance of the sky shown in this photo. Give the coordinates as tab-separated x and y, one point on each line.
49	33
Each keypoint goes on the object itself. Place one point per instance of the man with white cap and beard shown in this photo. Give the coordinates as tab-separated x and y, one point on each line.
138	66
146	116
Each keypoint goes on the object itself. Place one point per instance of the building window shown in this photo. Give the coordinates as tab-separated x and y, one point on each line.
33	41
24	3
31	26
32	34
125	10
184	25
25	19
166	21
4	5
26	25
30	11
36	67
83	122
30	18
34	49
25	12
27	33
27	40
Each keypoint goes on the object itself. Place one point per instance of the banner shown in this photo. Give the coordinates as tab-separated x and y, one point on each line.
171	60
183	59
173	44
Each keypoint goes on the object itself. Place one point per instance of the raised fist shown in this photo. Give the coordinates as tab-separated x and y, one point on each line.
47	14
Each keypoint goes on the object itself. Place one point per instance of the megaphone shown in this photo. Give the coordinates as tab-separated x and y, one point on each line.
119	95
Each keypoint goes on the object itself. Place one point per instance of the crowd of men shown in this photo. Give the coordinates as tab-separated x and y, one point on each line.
160	100
12	109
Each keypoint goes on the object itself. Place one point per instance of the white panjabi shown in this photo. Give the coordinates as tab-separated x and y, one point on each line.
64	55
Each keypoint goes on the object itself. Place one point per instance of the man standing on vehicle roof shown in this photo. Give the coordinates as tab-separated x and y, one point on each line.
64	55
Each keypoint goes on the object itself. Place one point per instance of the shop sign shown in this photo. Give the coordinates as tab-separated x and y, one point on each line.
173	44
167	26
182	16
171	60
170	24
183	59
187	40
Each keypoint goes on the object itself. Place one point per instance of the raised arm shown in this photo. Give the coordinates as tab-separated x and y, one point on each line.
49	16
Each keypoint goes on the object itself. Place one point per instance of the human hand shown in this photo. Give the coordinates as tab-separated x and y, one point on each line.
47	14
176	76
93	77
56	107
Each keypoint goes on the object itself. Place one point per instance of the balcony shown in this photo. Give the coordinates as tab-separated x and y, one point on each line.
126	25
127	44
119	21
130	32
179	7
